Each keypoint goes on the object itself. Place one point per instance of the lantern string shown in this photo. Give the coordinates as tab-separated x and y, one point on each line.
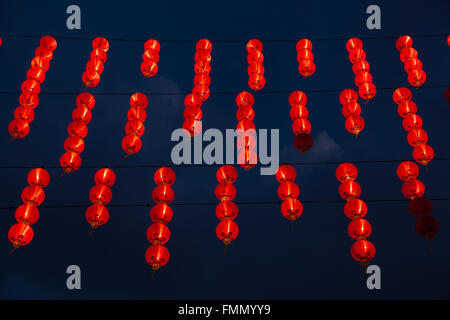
230	41
275	202
226	92
157	166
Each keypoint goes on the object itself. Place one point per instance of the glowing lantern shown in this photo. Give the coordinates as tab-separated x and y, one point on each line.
285	172
164	176
97	215
227	210
225	191
131	144
74	144
38	177
303	142
401	95
227	231
423	153
105	176
100	194
363	251
291	209
407	171
85	100
158	233
226	174
427	227
349	190
355	209
70	161
24	113
412	121
163	194
417	137
346	172
27	213
413	189
20	234
162	213
359	229
420	207
157	256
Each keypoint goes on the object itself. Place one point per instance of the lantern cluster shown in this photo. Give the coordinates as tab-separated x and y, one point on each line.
355	209
157	255
255	70
100	195
95	66
419	206
288	191
351	110
27	214
193	101
299	113
227	230
305	58
363	78
77	130
413	65
246	130
412	123
135	128
149	66
29	100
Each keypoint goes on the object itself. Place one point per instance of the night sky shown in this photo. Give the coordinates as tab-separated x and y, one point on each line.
268	260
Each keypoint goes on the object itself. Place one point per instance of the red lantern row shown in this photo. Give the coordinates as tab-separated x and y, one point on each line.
77	130
351	110
135	128
299	113
27	214
95	66
149	66
29	100
157	255
419	206
255	70
246	130
355	209
412	123
227	230
305	58
100	195
288	191
413	65
193	102
363	78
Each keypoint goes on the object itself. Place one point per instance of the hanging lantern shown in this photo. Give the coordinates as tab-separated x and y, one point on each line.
38	177
412	65
97	215
346	172
417	137
157	256
149	66
27	214
20	234
225	191
427	227
305	57
163	194
285	172
423	153
105	176
363	251
303	142
28	99
401	95
85	100
255	58
291	209
412	121
33	195
420	207
406	108
164	176
162	213
131	144
348	95
158	233
100	194
288	189
70	161
407	171
226	174
359	229
74	144
349	190
227	231
77	128
413	189
355	209
226	209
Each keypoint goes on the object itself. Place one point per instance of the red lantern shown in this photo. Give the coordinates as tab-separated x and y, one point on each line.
346	171
245	99
97	215
193	100
427	227
360	66
406	108
254	44
162	213
359	229
38	177
82	114
33	195
44	53
348	95
363	251
95	65
74	144
98	54
157	256
27	214
226	174
349	190
100	194
48	42
407	171
100	43
202	78
77	128
413	189
131	144
192	127
227	230
28	99
24	113
194	113
85	100
20	234
412	121
401	95
354	124
417	137
403	42
41	63
288	189
138	100
247	159
257	81
91	78
227	209
225	191
70	161
291	209
367	90
298	98
255	70
298	112
363	77
355	209
31	86
163	194
149	68
353	43
306	68
164	176
152	44
303	142
423	153
158	233
303	44
356	55
408	53
417	77
245	112
301	125
36	74
420	207
105	176
137	113
351	109
413	64
285	172
245	125
135	127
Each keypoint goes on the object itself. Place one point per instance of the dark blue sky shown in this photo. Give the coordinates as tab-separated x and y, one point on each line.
267	260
